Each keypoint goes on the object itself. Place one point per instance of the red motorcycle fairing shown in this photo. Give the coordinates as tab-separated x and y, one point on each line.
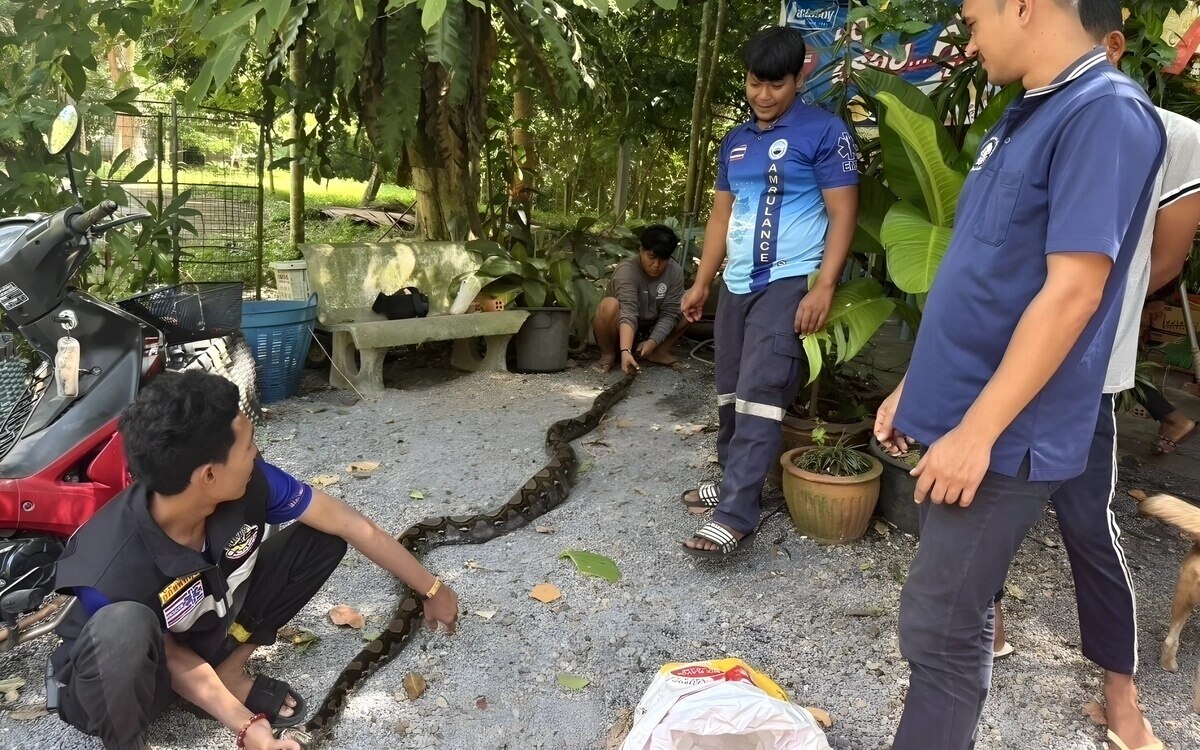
56	500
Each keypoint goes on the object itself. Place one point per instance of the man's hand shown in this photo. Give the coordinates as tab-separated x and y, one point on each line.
952	468
646	348
814	310
892	440
629	364
693	302
259	737
442	608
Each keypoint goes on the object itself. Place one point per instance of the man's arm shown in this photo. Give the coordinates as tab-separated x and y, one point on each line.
1174	232
625	289
841	205
951	470
332	516
196	681
669	315
715	234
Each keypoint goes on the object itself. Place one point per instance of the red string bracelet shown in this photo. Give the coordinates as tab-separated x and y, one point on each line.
241	736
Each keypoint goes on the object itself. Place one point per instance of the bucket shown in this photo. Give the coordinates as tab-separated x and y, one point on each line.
543	342
278	332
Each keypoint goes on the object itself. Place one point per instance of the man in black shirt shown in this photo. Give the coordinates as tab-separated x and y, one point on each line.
182	576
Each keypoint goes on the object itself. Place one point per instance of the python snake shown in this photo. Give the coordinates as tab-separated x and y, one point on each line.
544	491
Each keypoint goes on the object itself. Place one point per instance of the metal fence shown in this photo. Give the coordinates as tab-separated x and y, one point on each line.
216	156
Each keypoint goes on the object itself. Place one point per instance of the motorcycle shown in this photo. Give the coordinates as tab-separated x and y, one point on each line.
62	392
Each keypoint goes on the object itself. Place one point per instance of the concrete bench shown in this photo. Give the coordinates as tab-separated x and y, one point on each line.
347	278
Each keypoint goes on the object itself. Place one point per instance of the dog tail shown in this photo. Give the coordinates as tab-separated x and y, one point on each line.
1170	509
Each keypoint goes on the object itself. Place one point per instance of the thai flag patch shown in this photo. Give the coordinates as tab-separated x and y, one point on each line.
737	153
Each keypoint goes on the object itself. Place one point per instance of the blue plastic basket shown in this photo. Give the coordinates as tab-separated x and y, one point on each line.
278	332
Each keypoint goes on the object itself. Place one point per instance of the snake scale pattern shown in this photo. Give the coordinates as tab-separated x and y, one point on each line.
544	491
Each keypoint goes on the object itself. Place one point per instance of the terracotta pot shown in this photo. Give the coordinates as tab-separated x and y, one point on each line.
797	433
834	510
896	490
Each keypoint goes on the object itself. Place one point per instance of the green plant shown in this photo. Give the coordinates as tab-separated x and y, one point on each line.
836	460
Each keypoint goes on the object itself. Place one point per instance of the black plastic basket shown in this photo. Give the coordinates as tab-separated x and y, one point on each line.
191	312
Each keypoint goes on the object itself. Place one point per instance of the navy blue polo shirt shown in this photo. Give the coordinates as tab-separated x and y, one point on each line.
776	174
1069	167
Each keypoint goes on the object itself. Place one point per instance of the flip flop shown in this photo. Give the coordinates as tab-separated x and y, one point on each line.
708	494
1120	745
721	536
1005	650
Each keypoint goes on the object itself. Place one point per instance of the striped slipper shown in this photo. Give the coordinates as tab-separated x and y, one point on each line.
720	535
707	497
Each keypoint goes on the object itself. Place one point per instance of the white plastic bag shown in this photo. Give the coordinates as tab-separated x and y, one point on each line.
723	704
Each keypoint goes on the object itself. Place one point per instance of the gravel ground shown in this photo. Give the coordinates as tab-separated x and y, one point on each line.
819	619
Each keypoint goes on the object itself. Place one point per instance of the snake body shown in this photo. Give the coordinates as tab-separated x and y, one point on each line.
544	491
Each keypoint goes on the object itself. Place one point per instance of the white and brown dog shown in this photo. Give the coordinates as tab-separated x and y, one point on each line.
1185	517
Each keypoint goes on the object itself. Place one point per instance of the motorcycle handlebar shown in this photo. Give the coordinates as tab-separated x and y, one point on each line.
81	223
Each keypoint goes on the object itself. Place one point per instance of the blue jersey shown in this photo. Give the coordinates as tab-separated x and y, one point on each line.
778	224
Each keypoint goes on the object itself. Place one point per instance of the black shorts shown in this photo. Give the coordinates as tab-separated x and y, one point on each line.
642	333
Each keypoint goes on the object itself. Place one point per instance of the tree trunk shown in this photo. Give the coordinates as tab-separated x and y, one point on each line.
621	194
705	142
126	134
702	67
445	154
374	182
296	200
524	156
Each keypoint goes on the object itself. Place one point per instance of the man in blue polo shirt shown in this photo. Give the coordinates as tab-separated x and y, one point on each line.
785	206
1006	374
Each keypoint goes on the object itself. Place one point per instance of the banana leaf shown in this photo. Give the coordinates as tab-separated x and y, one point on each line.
938	184
915	247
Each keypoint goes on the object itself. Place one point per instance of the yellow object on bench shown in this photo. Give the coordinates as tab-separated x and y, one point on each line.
348	277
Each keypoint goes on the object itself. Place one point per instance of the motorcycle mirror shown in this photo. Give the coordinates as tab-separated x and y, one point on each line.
64	131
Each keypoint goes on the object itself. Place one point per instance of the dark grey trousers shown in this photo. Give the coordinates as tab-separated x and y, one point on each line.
758	371
946	610
116	681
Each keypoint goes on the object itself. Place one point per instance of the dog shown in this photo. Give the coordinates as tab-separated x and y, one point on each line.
1185	517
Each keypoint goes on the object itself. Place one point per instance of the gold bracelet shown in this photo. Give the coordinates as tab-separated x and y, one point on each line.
436	587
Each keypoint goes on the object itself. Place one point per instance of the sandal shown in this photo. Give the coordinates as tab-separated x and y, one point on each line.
1005	650
266	696
1164	445
721	536
708	494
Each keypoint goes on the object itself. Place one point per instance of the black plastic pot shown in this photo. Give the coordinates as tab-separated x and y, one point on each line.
896	490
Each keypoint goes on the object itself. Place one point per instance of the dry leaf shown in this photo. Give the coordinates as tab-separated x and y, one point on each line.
362	467
685	431
442	702
655	427
545	592
343	615
489	614
1095	712
820	715
402	727
1015	591
481	703
417	495
882	528
288	632
12	696
472	565
624	424
28	713
414	685
12	683
544	529
639	490
615	737
324	480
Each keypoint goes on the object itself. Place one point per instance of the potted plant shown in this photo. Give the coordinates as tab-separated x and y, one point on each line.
518	275
831	489
897	487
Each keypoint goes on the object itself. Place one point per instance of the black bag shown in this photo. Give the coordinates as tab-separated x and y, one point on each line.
409	302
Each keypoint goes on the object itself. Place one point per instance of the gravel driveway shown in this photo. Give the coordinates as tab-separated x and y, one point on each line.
821	620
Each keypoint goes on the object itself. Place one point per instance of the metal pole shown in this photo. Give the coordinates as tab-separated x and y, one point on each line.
175	250
1191	329
158	121
262	161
